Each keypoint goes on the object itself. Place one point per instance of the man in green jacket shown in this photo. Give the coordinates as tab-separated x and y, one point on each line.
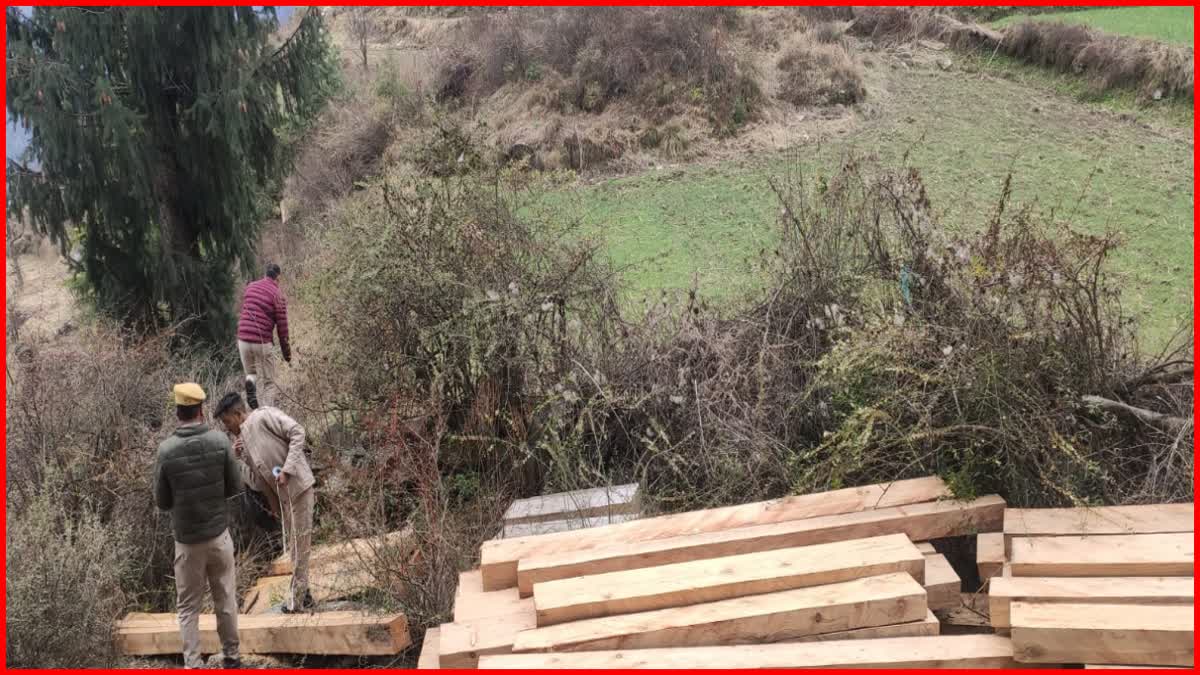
193	476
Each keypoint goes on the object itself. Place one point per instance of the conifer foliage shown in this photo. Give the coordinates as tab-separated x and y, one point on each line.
156	144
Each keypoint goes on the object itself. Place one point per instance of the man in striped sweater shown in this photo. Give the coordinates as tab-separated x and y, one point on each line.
264	312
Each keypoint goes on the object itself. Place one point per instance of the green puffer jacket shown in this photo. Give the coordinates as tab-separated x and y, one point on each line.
194	474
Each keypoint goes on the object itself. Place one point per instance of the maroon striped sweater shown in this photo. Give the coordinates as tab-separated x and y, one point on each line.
264	310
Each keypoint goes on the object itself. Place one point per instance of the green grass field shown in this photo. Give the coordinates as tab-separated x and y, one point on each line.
964	132
1169	24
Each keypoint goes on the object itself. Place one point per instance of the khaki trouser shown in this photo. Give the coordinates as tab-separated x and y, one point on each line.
297	526
258	362
209	562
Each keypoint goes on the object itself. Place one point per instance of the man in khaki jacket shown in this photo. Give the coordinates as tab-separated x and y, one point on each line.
267	438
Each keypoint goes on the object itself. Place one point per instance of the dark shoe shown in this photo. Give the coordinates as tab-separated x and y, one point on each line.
231	663
251	394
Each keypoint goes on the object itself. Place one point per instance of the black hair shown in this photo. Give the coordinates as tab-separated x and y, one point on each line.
187	413
273	270
229	402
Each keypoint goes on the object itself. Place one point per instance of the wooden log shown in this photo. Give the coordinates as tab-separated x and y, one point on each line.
362	550
472	602
927	626
1107	590
941	583
500	556
690	583
989	554
771	617
940	651
328	633
335	582
565	525
429	658
918	521
1139	519
1129	634
601	501
463	643
1111	555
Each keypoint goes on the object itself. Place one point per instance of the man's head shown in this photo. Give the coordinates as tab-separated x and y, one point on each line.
189	402
273	270
231	410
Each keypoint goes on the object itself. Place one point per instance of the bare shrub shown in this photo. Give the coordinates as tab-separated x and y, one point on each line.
818	73
65	570
604	54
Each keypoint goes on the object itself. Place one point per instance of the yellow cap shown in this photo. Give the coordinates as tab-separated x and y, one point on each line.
189	393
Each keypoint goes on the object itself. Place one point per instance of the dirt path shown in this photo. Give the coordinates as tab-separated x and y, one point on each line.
39	294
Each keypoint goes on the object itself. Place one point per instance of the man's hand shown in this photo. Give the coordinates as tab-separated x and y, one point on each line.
239	446
282	479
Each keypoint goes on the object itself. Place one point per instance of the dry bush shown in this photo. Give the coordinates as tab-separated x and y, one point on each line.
977	363
1153	69
894	25
828	32
661	58
820	73
64	587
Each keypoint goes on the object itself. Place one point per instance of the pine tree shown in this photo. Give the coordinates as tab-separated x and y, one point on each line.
156	146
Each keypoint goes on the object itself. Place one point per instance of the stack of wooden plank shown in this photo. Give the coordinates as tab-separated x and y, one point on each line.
567	511
337	571
1100	586
713	588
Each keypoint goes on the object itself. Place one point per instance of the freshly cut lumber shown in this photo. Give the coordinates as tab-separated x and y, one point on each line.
927	626
989	554
690	583
1129	634
771	617
565	525
365	548
939	651
941	582
925	547
330	633
1139	519
918	521
335	582
428	660
461	644
472	602
1107	555
601	501
500	556
1109	590
1102	667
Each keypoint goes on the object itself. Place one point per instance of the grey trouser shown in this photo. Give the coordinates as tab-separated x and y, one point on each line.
297	526
258	362
196	565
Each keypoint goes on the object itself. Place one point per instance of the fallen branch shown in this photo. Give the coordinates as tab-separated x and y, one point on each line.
1168	423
